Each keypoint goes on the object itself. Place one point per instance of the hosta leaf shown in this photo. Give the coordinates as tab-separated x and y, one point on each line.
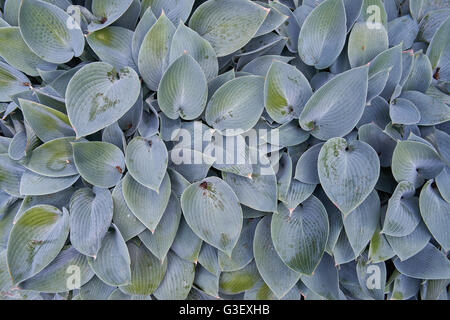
206	282
273	20
336	108
147	161
187	244
99	163
178	279
269	264
146	204
402	215
402	30
239	281
261	65
114	46
107	12
286	92
408	246
258	192
297	193
348	172
212	210
96	289
10	175
98	96
56	277
162	239
414	162
153	58
429	264
112	263
365	271
306	170
45	29
432	111
228	25
382	143
242	253
208	259
91	212
123	217
12	82
361	223
187	40
438	51
175	10
183	89
435	213
322	36
325	280
53	159
300	236
365	43
147	21
47	123
421	74
18	55
147	271
35	240
404	287
33	184
238	104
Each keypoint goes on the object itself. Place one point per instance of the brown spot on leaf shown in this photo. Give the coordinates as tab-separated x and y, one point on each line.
119	169
204	185
436	74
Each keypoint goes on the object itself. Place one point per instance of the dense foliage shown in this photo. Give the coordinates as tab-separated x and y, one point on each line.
224	149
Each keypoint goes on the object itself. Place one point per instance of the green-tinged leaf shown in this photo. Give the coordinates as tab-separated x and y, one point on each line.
206	282
147	271
98	95
68	271
322	36
35	240
18	55
212	210
153	58
178	279
114	46
52	159
146	204
239	281
45	29
268	262
91	212
286	92
99	163
336	108
228	25
12	82
183	89
348	172
112	263
300	236
365	43
438	51
146	22
47	123
107	12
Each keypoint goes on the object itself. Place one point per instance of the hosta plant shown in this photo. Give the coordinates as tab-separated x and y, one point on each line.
224	149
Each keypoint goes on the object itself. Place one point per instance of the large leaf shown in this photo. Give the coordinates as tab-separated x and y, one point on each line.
348	172
33	184
99	163
435	212
212	210
183	89
98	95
35	240
237	105
146	204
300	236
112	263
106	12
91	212
268	262
336	108
286	92
322	36
147	271
153	58
325	281
365	43
228	25
45	29
147	161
